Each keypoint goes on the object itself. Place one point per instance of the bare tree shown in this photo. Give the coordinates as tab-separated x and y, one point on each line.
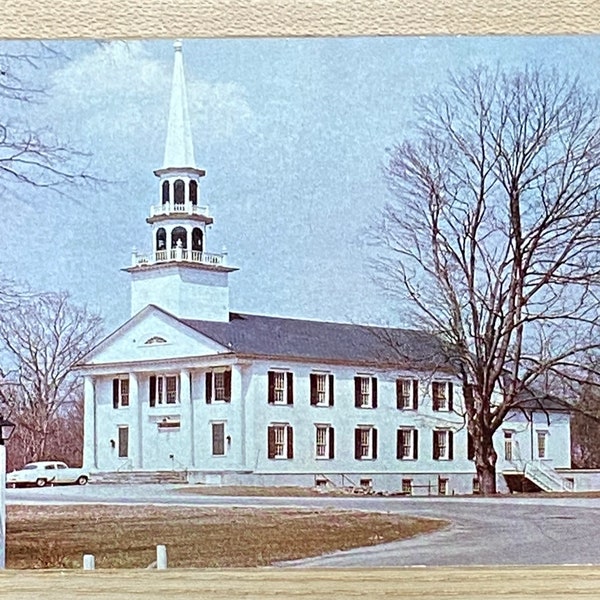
45	337
32	157
492	237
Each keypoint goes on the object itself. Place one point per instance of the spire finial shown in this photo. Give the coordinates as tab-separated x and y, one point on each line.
179	149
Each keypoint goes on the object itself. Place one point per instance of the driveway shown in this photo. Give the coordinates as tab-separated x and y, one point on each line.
494	531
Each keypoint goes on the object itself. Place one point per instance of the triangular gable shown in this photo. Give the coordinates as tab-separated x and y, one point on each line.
152	334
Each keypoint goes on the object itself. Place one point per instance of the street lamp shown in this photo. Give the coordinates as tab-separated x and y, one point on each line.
6	430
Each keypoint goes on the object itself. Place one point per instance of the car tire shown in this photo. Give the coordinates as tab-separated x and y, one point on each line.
81	480
40	482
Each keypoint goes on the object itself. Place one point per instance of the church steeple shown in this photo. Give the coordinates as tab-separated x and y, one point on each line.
180	275
179	149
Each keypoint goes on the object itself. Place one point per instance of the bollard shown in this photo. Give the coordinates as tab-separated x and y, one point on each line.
89	562
161	557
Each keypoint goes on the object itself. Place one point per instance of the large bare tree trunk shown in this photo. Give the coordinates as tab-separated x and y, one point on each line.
485	462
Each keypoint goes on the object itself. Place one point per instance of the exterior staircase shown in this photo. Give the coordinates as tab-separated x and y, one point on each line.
139	477
546	478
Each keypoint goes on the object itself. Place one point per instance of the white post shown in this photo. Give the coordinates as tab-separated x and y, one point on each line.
2	506
161	556
89	424
89	562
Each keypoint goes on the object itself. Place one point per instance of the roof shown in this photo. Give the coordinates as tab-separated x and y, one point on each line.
324	341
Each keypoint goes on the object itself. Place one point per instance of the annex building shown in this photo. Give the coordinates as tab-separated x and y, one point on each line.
189	386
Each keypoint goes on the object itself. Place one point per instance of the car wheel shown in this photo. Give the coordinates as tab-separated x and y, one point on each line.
81	480
40	482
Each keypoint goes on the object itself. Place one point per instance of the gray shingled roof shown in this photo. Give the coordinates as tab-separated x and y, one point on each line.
323	341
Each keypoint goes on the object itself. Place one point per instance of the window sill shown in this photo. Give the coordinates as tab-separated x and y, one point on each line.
366	459
322	405
408	459
323	458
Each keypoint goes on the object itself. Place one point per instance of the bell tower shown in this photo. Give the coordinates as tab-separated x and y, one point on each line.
179	275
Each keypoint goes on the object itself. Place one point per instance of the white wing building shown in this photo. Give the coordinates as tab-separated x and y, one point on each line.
189	387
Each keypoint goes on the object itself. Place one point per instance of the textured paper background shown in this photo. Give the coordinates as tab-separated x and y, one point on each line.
219	18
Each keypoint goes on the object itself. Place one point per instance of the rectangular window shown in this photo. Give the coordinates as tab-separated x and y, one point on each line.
542	437
407	487
442	395
366	483
280	441
281	387
442	444
321	389
218	439
164	389
365	392
476	485
123	441
324	441
120	392
407	444
442	486
218	386
508	445
365	443
407	394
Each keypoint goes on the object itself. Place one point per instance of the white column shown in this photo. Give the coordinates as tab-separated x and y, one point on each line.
2	506
185	398
135	430
89	424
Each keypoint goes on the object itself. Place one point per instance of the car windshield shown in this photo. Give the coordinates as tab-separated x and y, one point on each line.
30	467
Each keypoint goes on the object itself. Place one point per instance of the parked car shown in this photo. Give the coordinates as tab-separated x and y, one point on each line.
47	472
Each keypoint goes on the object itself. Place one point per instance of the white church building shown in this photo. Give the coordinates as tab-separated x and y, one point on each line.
186	385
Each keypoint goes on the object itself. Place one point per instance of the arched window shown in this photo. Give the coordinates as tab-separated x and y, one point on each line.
197	239
165	192
161	239
179	192
179	233
194	192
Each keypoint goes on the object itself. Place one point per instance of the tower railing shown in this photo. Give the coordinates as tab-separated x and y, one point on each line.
169	208
178	255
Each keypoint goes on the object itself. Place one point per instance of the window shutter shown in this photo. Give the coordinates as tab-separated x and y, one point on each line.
227	384
374	441
450	396
270	442
313	389
271	394
331	390
415	444
436	446
357	444
290	387
415	392
399	403
115	393
470	447
374	391
450	444
331	443
399	444
208	387
290	441
152	391
357	392
434	395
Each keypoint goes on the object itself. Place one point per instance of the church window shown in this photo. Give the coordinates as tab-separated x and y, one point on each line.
179	192
179	234
197	239
194	192
165	192
161	239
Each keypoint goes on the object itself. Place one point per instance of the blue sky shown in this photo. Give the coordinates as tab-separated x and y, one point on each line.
292	134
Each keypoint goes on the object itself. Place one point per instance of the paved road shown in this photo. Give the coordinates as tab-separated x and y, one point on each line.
495	531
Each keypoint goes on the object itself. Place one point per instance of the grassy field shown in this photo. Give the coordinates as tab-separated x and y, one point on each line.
251	490
471	583
126	536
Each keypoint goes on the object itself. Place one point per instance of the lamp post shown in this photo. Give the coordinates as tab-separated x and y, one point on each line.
6	430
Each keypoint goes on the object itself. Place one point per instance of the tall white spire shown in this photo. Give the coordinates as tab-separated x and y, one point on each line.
179	149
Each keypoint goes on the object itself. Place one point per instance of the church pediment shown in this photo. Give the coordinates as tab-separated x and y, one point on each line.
152	335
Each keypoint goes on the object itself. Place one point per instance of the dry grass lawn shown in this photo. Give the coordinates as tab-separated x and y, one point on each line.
251	490
126	536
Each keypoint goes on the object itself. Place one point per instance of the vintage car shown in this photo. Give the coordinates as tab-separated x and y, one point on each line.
48	472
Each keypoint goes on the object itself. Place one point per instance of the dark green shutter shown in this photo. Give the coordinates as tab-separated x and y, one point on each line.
290	387
152	391
357	444
415	444
208	387
227	383
374	440
450	395
374	391
331	443
331	390
450	445
399	402
115	393
290	441
357	392
399	444
313	389
271	392
271	442
415	391
436	446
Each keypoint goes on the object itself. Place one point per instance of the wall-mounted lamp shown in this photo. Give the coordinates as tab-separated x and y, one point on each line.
113	444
